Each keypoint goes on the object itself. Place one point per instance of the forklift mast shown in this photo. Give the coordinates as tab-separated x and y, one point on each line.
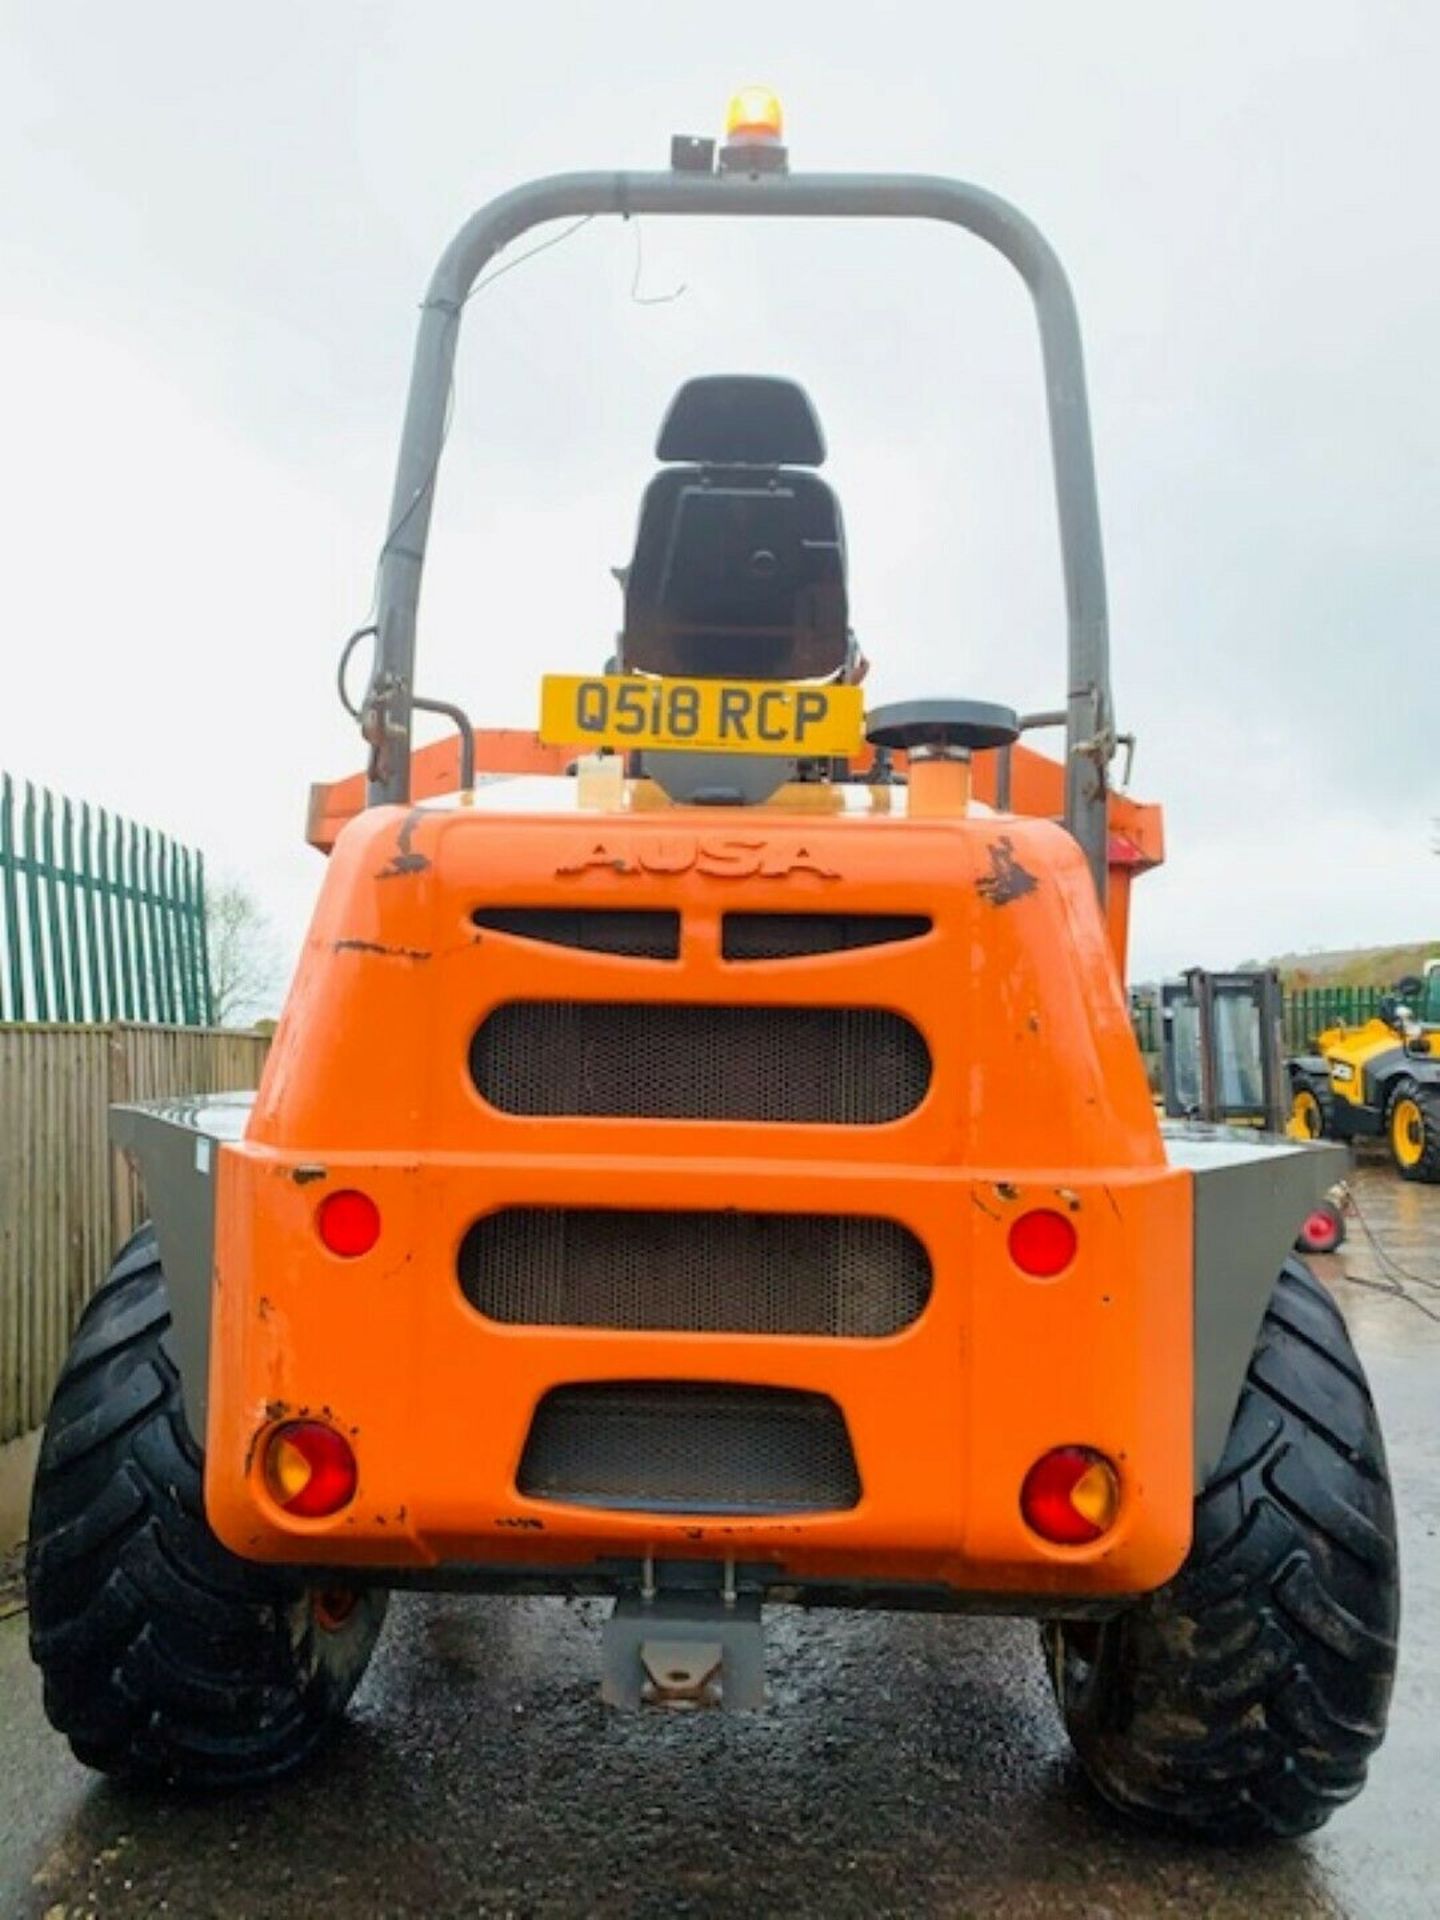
1222	1049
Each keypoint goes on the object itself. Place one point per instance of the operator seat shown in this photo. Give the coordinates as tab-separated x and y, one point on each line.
739	567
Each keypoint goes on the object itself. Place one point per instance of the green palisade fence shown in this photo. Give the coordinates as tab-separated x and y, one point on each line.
1145	1018
100	919
1309	1010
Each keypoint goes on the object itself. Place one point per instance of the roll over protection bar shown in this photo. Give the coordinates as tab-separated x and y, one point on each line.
386	718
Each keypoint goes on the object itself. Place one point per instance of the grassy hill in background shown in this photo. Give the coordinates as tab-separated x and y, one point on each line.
1350	966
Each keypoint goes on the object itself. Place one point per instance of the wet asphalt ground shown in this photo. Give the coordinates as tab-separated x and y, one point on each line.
905	1766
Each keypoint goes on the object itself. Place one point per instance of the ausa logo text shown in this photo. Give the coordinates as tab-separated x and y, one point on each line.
719	859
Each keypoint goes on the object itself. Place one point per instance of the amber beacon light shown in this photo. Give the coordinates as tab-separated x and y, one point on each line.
754	114
754	129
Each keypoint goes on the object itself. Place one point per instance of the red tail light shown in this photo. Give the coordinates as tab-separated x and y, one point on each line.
348	1222
310	1469
1071	1496
1042	1243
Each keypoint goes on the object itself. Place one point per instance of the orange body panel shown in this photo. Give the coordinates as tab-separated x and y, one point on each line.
1038	1098
1037	788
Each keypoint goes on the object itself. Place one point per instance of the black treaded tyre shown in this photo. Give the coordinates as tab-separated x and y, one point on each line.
1312	1104
1244	1699
1412	1130
165	1657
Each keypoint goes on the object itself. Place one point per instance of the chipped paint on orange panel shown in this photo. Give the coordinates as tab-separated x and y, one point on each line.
1037	1098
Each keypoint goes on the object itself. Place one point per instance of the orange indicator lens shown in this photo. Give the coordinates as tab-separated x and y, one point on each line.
1071	1496
310	1469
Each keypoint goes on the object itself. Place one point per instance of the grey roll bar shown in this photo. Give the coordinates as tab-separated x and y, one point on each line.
1089	736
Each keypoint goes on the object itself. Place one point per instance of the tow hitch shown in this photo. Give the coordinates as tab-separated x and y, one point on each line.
684	1650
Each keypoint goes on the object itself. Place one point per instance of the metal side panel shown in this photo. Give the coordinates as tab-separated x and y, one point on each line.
176	1146
1252	1191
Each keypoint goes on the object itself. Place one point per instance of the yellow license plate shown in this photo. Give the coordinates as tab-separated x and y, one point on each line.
700	716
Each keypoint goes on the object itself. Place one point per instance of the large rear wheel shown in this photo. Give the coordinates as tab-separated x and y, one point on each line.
1412	1130
1312	1107
164	1656
1244	1699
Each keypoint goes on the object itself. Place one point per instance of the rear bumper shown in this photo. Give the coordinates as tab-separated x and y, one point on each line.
944	1417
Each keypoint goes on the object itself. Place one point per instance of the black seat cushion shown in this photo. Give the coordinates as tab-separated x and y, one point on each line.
738	571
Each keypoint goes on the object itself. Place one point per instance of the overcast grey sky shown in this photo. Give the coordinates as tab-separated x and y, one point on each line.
220	219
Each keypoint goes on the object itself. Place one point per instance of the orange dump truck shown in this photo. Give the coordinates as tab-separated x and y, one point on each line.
705	1161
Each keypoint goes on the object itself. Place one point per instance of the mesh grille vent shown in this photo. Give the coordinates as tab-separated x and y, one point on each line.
678	1446
637	934
841	1066
763	1273
786	936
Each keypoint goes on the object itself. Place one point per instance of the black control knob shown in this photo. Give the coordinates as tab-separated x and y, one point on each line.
942	727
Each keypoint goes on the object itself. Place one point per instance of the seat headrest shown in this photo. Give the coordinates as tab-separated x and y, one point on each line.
742	420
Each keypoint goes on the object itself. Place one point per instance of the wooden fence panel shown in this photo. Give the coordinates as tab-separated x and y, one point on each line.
67	1200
